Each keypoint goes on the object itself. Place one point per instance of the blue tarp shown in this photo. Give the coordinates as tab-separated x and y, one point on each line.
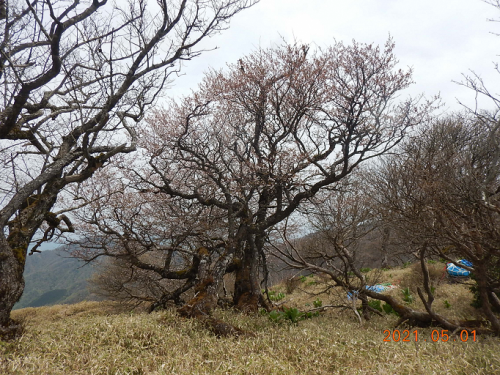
465	263
376	288
349	295
458	271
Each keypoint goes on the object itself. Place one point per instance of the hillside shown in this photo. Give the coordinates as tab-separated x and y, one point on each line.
52	277
106	338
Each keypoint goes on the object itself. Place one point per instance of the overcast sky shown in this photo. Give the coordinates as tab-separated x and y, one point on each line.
440	39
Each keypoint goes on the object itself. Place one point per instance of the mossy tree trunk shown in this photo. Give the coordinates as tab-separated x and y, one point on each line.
247	292
14	248
209	281
11	279
205	300
246	285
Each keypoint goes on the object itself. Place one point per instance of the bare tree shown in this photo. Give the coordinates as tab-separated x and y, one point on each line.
341	218
271	132
443	194
76	78
154	246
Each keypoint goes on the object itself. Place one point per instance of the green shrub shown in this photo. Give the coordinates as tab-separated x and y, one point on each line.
407	297
476	299
365	270
388	309
276	297
292	315
276	316
494	274
311	314
375	304
318	303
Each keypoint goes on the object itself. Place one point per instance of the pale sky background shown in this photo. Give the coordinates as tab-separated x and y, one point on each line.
440	39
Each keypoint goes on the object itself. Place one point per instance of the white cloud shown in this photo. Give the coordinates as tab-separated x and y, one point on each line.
440	39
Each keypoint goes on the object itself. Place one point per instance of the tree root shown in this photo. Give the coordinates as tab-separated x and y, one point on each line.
12	331
202	305
248	303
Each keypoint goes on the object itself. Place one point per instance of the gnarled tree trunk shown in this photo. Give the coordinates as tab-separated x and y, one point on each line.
207	287
206	298
11	281
247	293
14	248
246	285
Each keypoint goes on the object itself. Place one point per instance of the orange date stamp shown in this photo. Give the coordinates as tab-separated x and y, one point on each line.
436	335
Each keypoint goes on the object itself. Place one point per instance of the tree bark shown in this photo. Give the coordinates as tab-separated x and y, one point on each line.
11	281
247	293
386	233
484	293
246	286
206	298
207	287
14	248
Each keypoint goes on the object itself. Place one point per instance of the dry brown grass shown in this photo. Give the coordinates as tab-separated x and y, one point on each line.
414	276
102	338
291	284
458	296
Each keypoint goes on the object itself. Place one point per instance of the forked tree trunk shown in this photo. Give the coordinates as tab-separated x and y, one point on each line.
206	298
247	293
246	285
207	287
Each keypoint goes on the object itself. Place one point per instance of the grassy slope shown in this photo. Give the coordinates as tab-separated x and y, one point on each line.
103	338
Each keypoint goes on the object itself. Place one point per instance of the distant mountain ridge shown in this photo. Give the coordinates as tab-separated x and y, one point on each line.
53	277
